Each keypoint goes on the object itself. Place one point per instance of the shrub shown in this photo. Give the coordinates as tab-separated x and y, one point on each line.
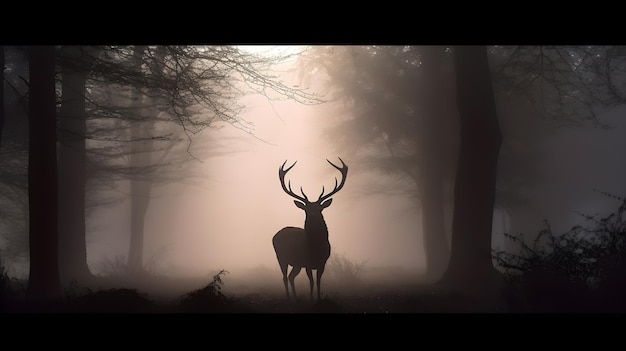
117	266
210	299
580	270
4	285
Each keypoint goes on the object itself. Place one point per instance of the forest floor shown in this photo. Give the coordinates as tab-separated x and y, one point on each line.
124	300
261	291
258	291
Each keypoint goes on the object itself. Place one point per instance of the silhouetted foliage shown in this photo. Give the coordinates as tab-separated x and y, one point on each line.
115	266
210	299
383	91
568	84
580	270
4	285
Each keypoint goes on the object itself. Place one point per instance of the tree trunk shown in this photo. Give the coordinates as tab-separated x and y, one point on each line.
1	93
43	282
430	173
140	158
72	166
471	270
433	225
1	128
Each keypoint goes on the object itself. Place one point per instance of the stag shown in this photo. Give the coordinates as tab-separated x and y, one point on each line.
308	247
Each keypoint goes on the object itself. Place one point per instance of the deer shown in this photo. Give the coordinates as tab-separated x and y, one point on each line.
307	247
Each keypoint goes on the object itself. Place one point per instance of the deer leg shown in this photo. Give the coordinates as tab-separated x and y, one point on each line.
292	275
283	270
309	273
320	271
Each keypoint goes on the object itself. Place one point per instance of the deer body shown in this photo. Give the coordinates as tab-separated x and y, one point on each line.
307	248
298	250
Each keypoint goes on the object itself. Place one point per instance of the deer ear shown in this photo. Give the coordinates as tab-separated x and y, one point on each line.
299	204
326	203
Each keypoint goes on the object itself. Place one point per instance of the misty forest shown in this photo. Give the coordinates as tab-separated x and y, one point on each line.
312	179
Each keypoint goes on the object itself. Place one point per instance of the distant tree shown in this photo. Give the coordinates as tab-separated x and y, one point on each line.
140	156
541	89
398	118
43	282
145	100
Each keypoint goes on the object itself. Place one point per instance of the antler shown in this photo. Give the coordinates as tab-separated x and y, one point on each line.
281	175
344	173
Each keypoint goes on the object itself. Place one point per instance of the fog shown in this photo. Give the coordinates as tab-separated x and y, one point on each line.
576	165
228	220
220	202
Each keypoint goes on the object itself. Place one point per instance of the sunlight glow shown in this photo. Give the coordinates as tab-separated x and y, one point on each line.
272	50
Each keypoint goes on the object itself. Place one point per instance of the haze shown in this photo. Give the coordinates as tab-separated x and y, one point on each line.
219	201
228	219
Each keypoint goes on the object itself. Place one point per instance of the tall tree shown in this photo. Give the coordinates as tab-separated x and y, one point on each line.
140	156
75	63
1	93
14	158
141	149
1	107
471	269
43	282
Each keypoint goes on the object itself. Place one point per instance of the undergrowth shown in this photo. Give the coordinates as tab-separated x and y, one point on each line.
210	299
581	270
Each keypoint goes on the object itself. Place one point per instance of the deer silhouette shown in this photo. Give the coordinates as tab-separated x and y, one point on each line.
308	247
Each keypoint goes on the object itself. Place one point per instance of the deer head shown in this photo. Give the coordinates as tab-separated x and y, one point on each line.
303	201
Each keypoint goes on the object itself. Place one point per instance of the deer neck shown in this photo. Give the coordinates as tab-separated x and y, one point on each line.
315	227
